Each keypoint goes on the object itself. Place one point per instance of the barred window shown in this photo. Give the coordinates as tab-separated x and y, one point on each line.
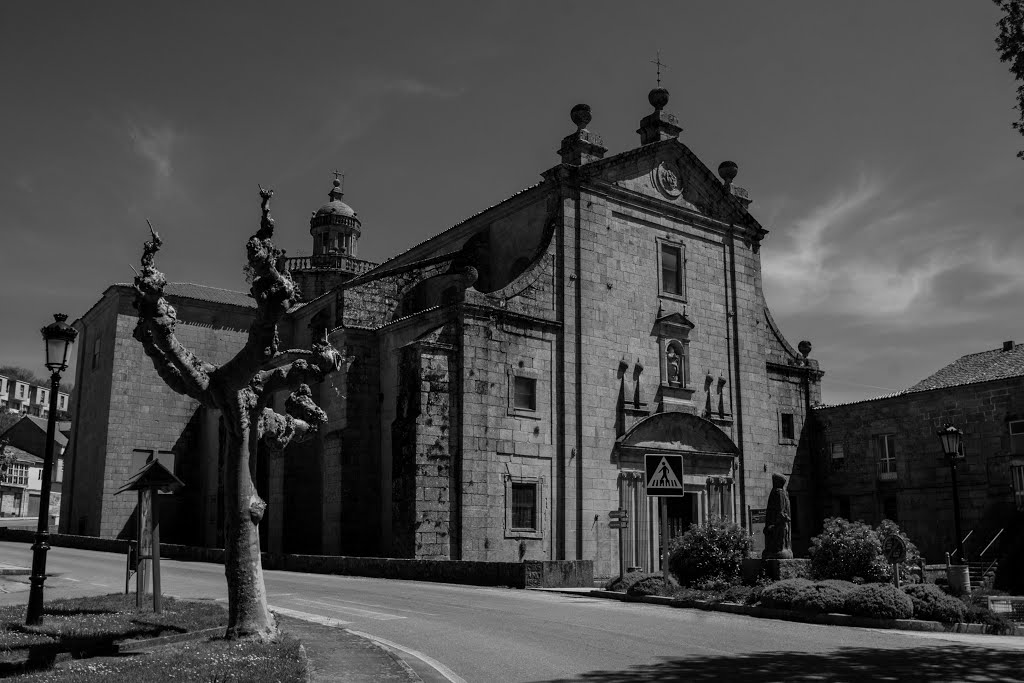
788	427
524	506
17	475
525	397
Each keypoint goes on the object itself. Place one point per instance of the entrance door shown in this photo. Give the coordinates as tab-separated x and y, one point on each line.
680	515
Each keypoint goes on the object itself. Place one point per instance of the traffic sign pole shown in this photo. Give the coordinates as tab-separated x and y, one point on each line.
664	539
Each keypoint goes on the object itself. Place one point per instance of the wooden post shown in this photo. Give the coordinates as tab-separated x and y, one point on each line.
154	500
663	501
145	545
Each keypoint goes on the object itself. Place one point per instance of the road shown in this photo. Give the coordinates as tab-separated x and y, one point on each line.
499	634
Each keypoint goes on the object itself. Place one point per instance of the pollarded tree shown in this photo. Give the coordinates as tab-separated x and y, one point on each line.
242	389
1010	43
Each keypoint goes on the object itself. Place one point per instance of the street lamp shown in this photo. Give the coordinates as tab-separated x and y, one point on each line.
59	336
951	438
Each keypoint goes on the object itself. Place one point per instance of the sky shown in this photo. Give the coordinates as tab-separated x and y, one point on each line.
874	138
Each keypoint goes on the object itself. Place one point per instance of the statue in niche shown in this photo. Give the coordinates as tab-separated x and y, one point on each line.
675	366
778	543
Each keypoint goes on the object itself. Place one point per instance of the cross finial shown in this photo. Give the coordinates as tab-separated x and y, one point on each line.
339	174
657	62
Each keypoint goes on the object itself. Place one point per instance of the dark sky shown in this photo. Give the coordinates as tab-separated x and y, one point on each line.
873	136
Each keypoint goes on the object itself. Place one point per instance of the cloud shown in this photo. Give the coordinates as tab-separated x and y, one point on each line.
156	144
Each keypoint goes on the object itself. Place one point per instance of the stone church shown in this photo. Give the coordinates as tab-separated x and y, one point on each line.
506	377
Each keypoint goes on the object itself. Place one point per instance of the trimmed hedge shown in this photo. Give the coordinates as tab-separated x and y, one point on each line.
879	600
933	604
782	594
844	550
824	596
709	555
644	583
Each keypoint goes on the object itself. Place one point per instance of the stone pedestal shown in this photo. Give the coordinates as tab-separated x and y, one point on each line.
779	569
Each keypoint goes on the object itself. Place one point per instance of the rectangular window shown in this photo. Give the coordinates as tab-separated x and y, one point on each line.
525	396
95	353
671	269
844	507
524	507
17	475
1017	472
890	509
1017	436
788	428
837	451
885	447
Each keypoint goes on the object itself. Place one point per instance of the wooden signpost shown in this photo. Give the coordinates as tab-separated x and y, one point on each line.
153	477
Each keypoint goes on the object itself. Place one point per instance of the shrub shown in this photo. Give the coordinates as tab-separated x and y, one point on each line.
709	554
934	604
740	594
879	600
782	594
845	550
823	596
910	569
994	623
643	583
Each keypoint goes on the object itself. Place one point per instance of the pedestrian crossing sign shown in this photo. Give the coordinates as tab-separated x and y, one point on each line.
664	474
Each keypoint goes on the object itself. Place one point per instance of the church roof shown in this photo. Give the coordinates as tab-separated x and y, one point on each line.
190	290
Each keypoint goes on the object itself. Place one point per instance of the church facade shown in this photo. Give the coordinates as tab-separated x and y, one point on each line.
505	378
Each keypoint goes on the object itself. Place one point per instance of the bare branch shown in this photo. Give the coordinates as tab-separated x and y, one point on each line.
274	292
185	373
308	367
303	420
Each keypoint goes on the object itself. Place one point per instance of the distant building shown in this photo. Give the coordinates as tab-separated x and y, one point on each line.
17	396
508	376
881	458
21	483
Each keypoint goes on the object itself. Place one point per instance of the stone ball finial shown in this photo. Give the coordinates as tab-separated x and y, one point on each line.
727	171
337	183
658	98
580	115
804	348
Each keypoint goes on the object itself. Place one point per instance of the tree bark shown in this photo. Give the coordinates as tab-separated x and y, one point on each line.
247	593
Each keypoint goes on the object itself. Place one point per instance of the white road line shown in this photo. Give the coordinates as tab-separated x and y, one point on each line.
369	604
306	616
353	611
437	666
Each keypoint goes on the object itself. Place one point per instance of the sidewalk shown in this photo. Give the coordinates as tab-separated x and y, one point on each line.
337	655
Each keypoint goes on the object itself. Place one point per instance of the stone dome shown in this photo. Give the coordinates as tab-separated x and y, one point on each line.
335	211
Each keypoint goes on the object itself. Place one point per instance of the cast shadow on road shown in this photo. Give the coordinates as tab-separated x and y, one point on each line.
947	662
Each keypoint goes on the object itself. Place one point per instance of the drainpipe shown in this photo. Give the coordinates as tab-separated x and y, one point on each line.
738	381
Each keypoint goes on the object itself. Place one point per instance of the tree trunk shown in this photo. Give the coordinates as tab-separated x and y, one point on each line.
247	594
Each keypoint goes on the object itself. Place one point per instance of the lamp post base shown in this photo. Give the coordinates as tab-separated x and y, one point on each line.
35	596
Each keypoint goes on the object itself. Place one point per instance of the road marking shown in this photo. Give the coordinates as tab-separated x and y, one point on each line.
306	616
370	604
353	611
436	665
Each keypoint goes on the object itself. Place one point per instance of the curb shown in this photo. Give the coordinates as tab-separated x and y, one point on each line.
132	646
15	571
830	619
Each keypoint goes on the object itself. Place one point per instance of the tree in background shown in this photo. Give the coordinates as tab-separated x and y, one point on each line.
242	389
1010	44
23	375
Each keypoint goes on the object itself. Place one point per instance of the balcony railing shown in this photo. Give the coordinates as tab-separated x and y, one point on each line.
329	262
887	469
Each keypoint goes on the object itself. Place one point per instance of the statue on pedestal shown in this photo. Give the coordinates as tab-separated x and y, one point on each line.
778	542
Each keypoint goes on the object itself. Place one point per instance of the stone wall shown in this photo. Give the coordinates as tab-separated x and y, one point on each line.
920	492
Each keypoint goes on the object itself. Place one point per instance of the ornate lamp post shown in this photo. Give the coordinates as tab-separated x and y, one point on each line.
951	438
59	337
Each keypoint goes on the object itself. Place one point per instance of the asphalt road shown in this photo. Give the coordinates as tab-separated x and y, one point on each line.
498	634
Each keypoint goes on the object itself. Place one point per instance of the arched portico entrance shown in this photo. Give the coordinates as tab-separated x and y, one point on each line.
709	472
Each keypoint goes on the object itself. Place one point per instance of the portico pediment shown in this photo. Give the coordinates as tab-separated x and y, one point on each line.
678	431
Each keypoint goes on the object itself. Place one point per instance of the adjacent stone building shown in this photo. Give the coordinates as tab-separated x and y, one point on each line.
881	458
506	376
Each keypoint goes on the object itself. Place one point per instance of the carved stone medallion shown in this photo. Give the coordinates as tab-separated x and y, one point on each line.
666	179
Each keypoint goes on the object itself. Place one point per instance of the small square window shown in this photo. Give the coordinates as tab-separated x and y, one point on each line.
1017	436
787	427
671	269
525	393
524	507
837	451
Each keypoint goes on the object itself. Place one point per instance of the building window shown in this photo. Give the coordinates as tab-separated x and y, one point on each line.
837	451
787	427
95	353
890	509
17	475
885	447
1017	477
672	280
525	393
524	507
1017	436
